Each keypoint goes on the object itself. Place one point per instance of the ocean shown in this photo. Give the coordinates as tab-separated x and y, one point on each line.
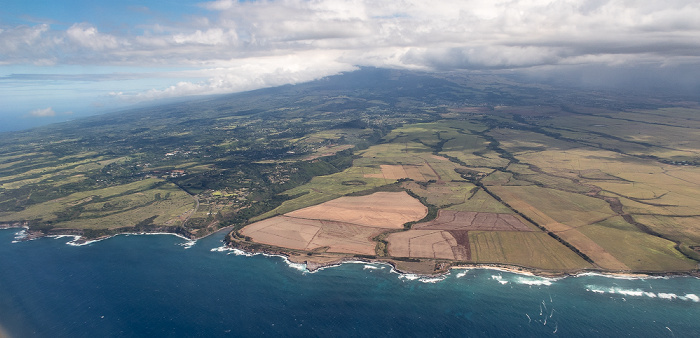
162	285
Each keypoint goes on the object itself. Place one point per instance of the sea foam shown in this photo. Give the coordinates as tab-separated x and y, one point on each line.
499	279
461	274
535	281
238	252
641	293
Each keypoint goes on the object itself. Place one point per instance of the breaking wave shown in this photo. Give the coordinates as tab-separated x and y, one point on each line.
538	281
641	293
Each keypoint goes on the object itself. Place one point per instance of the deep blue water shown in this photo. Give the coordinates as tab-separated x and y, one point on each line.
154	286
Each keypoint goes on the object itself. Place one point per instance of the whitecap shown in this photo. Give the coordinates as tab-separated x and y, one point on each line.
692	297
433	279
409	276
636	293
669	296
75	241
222	248
420	278
297	266
20	235
499	279
188	244
533	281
595	290
641	293
238	252
461	274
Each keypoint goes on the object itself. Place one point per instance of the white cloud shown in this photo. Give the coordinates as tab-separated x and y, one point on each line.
213	36
88	36
45	112
219	5
252	44
16	38
249	74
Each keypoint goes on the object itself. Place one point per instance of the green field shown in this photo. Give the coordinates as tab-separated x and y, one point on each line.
638	250
113	207
610	178
530	249
325	188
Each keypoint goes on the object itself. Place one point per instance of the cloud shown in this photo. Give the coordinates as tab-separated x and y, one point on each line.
218	5
87	36
240	45
45	112
213	36
248	74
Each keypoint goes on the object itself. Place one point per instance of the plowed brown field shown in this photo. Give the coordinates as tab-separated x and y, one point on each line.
467	220
430	244
345	225
381	210
447	236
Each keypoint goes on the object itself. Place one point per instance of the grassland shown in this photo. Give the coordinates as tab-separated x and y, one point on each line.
112	207
325	188
606	184
535	250
582	200
636	249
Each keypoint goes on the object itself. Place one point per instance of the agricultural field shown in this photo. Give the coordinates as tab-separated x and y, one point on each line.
472	221
636	249
485	173
513	192
113	207
314	235
380	209
437	244
529	249
346	224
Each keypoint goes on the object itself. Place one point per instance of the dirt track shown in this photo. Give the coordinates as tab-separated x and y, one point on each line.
570	234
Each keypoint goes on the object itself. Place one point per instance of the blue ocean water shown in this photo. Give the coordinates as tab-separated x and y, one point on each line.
155	286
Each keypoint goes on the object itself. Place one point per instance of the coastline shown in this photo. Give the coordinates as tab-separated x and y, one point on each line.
314	262
78	238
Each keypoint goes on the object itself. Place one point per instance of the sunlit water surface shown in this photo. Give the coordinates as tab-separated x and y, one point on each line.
160	285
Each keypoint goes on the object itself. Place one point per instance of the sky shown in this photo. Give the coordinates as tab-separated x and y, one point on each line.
63	59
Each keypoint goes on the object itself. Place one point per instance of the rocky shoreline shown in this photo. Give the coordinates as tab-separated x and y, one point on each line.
315	261
82	239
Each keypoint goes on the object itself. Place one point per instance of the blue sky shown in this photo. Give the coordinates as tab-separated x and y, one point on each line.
67	58
74	89
109	15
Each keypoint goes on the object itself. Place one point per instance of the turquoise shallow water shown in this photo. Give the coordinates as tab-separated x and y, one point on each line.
154	286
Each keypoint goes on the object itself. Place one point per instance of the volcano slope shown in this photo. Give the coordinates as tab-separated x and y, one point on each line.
502	190
525	175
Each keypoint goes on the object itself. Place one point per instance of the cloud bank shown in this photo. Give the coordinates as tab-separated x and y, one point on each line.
246	45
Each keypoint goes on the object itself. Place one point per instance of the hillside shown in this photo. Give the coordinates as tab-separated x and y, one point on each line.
507	172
